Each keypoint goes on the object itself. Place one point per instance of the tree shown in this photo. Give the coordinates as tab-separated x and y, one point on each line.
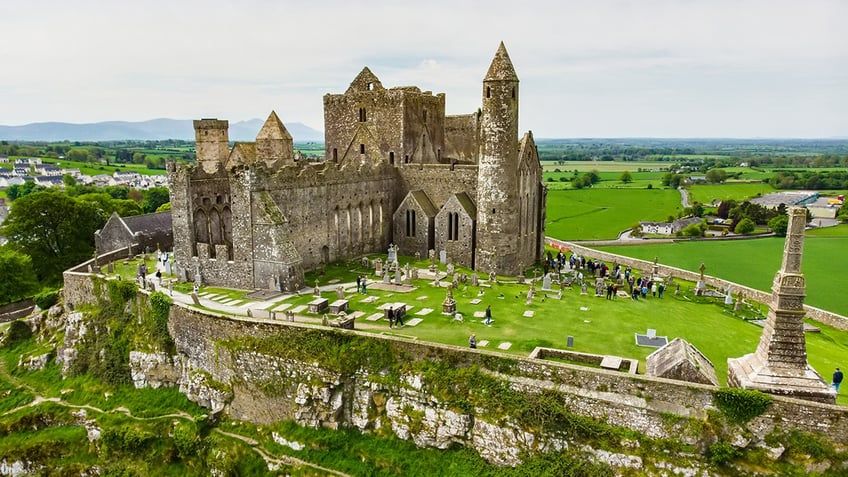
842	214
153	198
19	280
745	226
69	180
693	230
626	177
778	225
56	230
716	176
164	207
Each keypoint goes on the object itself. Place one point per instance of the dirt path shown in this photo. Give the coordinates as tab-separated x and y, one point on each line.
255	445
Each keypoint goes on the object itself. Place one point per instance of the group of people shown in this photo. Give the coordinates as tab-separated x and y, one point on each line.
643	286
361	285
395	317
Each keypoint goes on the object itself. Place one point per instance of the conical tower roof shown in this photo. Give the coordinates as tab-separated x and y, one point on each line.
273	129
501	68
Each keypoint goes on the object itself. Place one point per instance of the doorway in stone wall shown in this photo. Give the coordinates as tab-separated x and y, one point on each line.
325	255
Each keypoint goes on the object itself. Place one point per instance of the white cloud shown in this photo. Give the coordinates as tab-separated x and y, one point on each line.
613	68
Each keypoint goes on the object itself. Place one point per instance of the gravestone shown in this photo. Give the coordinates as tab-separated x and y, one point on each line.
728	299
449	304
340	293
392	254
195	299
701	286
378	267
386	278
443	256
170	288
364	262
450	269
546	282
570	342
474	279
520	278
397	277
316	291
417	255
415	274
583	289
110	268
599	286
168	267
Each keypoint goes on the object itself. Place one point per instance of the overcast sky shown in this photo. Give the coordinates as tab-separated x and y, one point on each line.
652	68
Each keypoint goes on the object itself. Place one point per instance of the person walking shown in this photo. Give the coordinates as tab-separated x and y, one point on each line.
837	380
472	341
488	320
391	313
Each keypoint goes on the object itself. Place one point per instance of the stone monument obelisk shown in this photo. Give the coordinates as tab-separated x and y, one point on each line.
779	366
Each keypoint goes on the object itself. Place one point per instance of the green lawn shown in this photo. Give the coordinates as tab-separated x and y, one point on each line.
754	262
707	193
604	213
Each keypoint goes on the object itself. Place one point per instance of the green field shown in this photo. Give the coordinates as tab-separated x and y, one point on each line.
754	262
604	213
707	193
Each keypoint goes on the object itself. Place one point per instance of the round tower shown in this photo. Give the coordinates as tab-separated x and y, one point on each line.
497	176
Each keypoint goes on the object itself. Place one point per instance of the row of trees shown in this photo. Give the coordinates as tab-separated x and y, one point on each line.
808	179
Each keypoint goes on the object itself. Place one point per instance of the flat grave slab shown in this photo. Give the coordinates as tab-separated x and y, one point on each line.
529	313
482	343
259	313
374	317
369	299
238	302
475	301
338	306
228	302
505	345
318	305
206	294
263	295
623	294
655	342
611	362
421	298
424	311
479	314
356	314
333	281
298	308
413	322
283	307
583	308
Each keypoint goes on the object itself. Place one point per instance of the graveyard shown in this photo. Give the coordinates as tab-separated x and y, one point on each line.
566	320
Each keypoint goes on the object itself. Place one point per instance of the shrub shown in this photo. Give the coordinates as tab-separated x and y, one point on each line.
721	453
745	226
46	299
18	331
741	405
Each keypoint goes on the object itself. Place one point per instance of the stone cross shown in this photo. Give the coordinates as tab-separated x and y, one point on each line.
701	269
779	365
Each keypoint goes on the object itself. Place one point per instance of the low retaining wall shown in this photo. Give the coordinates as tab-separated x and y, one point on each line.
13	311
627	365
829	318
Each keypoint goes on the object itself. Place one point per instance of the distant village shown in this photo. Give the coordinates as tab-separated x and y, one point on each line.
33	169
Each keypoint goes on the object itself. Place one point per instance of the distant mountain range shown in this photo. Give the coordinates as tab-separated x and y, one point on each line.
154	129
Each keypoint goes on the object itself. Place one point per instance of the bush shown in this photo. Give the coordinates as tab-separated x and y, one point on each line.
778	225
745	226
46	299
741	405
18	331
721	453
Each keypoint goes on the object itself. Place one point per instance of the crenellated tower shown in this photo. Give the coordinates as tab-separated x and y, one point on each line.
497	180
212	142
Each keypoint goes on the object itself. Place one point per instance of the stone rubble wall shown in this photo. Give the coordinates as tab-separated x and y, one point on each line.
829	318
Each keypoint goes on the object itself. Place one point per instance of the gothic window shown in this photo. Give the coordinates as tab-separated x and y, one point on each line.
410	223
413	223
201	226
450	226
456	226
488	92
227	225
406	159
369	86
215	237
513	92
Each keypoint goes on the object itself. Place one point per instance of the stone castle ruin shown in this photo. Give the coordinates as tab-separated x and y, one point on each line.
396	170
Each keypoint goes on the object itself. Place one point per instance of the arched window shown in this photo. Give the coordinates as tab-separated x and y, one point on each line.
362	115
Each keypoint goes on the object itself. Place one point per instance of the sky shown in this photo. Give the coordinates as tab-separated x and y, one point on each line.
604	68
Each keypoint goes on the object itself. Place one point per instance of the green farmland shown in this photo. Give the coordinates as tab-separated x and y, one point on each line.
754	262
707	193
592	214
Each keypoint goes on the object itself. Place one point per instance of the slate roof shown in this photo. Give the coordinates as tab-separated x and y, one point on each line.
467	204
148	223
424	201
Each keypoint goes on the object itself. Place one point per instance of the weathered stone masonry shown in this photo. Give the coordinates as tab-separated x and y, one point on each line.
253	217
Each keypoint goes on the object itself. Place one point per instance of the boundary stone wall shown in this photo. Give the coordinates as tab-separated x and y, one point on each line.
829	318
